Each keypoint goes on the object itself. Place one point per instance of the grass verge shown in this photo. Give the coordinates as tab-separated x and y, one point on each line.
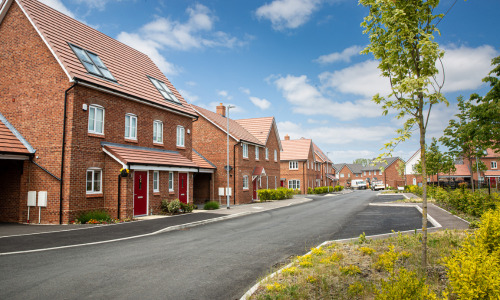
366	269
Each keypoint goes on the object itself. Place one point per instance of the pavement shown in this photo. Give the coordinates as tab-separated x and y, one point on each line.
21	238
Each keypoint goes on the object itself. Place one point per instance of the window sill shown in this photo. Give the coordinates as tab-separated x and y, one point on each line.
97	135
245	190
131	141
180	147
156	193
157	144
97	195
246	158
257	159
171	192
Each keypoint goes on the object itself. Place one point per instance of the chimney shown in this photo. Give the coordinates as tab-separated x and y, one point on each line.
221	110
287	137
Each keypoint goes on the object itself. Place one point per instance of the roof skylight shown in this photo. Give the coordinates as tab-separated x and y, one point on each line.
92	63
164	90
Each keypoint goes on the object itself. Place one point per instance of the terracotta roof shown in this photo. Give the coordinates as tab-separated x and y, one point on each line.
491	153
11	141
258	170
147	156
201	161
295	149
129	66
462	170
258	127
492	173
237	131
321	154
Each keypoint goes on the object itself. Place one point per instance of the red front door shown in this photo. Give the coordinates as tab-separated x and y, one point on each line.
183	187
255	189
140	193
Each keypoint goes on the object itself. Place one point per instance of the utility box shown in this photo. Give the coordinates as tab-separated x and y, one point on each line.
42	199
228	191
32	198
221	191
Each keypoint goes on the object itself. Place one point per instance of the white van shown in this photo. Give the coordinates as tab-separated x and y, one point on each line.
358	184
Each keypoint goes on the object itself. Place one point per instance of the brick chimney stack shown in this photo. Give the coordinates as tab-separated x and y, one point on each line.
287	137
221	110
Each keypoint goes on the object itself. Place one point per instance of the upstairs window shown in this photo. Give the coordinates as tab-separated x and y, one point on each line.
96	119
158	132
256	153
493	164
164	90
293	165
267	154
245	150
275	155
180	136
131	126
92	63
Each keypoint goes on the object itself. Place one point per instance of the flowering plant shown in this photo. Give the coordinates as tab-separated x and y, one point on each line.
124	172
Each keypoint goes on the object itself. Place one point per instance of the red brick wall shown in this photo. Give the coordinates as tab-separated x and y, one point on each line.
210	141
307	176
391	177
32	86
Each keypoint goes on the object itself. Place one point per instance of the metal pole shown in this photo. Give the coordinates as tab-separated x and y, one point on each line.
326	173
227	166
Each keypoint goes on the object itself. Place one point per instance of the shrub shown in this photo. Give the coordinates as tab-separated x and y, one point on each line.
350	270
278	194
174	206
211	205
289	271
96	216
367	250
187	207
338	188
404	285
164	206
474	269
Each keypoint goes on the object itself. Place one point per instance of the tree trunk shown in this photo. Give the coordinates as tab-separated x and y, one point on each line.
472	174
424	193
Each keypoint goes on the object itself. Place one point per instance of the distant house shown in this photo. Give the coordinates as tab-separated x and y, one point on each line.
412	177
349	172
327	171
299	167
254	152
386	171
76	108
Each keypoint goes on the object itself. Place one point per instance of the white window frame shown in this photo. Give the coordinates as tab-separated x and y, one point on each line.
494	165
245	150
181	132
245	182
341	175
256	152
95	108
267	153
308	164
294	184
93	180
293	165
349	175
156	181
170	181
131	131
158	132
275	155
369	173
379	172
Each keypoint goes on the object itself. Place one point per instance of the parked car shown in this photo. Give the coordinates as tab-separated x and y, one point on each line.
358	184
378	185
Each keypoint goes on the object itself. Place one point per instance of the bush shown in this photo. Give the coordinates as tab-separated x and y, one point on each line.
474	269
96	216
211	205
187	208
278	194
164	206
174	206
404	285
338	188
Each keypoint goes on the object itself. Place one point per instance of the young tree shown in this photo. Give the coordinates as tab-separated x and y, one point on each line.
461	136
402	38
437	162
487	110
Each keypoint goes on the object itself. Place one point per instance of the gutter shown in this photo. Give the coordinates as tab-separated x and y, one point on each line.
63	152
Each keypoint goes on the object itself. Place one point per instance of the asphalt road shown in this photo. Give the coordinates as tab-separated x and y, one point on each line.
214	261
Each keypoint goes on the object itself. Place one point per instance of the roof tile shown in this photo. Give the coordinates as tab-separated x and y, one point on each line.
295	149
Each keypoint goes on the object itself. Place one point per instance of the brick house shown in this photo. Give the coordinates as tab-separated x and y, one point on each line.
386	172
299	167
326	165
412	177
86	106
254	153
348	172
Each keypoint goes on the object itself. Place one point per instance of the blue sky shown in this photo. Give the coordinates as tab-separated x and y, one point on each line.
296	60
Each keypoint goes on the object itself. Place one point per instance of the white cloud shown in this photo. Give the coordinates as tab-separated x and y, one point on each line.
465	67
314	121
59	6
190	83
348	156
150	48
245	90
260	103
338	135
344	56
224	94
288	13
190	98
308	100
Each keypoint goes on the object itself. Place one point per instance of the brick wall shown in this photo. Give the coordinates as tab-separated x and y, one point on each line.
391	177
306	175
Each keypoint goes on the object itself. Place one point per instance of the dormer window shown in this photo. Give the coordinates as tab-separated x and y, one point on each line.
92	63
164	90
